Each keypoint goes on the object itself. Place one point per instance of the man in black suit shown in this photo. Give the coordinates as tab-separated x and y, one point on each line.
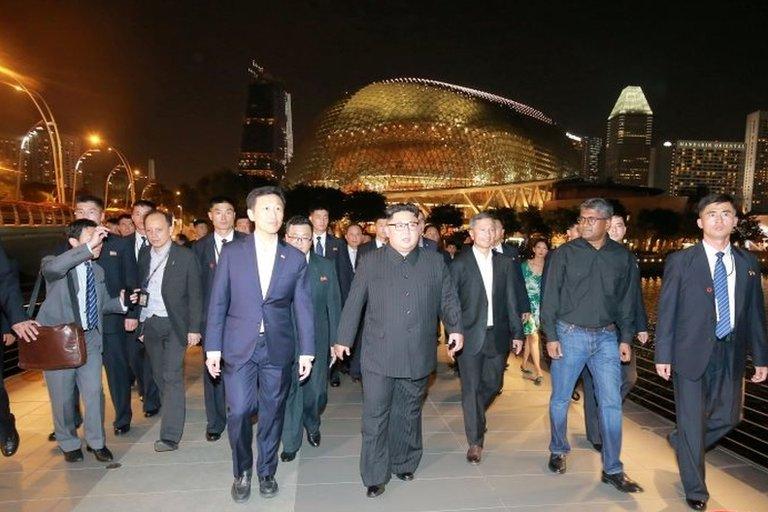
171	320
425	242
402	289
137	354
13	319
120	272
710	316
485	283
345	269
221	211
323	243
501	247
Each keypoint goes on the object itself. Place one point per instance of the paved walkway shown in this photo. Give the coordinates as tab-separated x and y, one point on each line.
512	477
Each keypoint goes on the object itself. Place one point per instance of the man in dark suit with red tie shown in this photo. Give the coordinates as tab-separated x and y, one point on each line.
221	212
260	317
710	317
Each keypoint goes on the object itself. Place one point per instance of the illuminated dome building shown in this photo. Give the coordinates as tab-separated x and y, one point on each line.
431	142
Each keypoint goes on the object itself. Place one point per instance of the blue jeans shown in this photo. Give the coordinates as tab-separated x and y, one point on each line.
598	349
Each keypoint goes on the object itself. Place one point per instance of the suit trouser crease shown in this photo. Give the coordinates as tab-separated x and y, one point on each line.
304	405
61	385
591	415
481	377
256	387
138	360
115	358
166	357
598	350
392	436
707	409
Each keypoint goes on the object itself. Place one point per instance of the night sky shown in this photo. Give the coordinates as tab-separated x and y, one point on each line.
168	79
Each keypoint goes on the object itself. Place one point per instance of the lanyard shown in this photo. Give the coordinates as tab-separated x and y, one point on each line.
157	267
216	249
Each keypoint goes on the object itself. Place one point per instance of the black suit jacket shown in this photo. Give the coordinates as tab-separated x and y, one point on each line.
11	302
685	330
333	246
521	293
181	288
345	271
474	302
401	302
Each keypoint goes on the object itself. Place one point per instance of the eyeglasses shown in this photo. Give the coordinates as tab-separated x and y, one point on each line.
591	220
299	239
404	226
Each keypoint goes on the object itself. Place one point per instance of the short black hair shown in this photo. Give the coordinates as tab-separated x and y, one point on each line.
88	198
111	220
401	207
315	207
298	220
713	199
220	199
268	190
167	216
124	216
197	222
145	203
242	215
75	228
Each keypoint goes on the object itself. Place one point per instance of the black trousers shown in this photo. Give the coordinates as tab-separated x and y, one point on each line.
138	360
7	420
591	415
707	409
481	377
392	440
215	402
115	358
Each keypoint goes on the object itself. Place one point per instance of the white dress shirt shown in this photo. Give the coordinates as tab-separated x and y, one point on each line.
499	249
138	243
218	242
379	243
158	258
730	269
485	263
352	256
82	290
265	262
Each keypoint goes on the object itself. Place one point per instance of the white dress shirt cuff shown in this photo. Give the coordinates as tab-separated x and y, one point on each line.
213	353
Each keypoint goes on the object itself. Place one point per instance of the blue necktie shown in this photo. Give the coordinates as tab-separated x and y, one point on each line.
319	247
723	327
91	302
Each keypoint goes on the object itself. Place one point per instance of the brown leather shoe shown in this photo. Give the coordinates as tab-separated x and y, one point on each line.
474	454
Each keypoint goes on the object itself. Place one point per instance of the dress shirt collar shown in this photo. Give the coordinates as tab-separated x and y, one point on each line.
379	243
711	252
308	256
218	239
498	248
482	257
162	251
323	238
263	246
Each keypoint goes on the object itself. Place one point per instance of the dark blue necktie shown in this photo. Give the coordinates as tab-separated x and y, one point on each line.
723	327
319	247
91	301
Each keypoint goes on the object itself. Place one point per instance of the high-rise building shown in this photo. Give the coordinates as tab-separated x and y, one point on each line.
9	152
698	165
755	178
267	141
628	138
590	152
36	162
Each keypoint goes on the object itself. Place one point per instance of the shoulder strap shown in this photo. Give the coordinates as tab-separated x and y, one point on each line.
35	294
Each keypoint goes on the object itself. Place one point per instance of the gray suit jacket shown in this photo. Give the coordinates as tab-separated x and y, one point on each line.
401	299
61	305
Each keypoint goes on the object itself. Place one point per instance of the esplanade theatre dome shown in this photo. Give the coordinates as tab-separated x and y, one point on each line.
415	134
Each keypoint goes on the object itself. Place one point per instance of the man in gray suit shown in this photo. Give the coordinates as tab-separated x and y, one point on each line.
485	281
76	293
171	320
403	289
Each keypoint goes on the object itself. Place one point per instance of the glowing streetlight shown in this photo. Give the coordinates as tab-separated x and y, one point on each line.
94	139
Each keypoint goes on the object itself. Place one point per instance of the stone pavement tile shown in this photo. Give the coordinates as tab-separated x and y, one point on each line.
652	505
333	446
335	426
342	411
647	419
189	452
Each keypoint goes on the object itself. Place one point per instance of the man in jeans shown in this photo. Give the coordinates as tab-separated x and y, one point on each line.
591	290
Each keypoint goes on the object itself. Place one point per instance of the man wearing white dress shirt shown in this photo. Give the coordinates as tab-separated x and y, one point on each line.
221	212
323	243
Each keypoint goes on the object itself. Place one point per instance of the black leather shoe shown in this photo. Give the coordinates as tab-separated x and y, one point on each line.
122	430
622	482
102	454
241	488
74	455
374	490
313	438
52	436
335	382
287	456
11	443
267	486
597	446
405	477
696	504
151	412
557	463
212	436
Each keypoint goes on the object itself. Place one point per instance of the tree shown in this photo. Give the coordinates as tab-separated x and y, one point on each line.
364	206
658	223
748	230
301	198
508	218
560	219
446	215
531	221
223	182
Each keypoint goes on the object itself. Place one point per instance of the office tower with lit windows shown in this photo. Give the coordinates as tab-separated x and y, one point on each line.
628	139
661	165
698	165
754	184
267	139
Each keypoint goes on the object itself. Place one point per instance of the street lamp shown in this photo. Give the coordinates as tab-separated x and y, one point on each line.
128	172
94	140
50	125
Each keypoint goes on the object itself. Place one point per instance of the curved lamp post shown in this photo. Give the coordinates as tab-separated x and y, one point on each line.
127	167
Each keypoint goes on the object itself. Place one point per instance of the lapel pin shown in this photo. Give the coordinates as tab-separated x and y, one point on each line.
212	264
709	290
282	255
113	253
335	248
752	273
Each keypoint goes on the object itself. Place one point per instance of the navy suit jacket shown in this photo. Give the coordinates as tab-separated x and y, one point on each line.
237	307
345	271
685	330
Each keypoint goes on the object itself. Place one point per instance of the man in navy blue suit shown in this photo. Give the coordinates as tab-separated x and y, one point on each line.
260	308
710	316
